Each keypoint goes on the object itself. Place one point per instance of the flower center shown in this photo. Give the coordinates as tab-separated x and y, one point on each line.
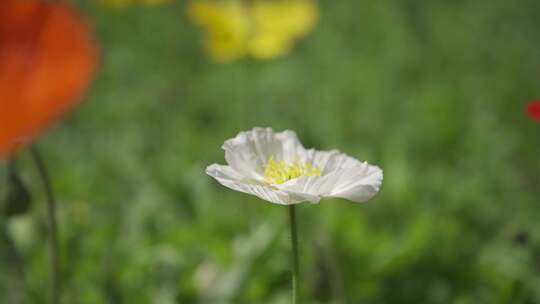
279	172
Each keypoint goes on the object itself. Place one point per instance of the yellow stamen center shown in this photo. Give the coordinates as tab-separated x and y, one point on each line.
278	172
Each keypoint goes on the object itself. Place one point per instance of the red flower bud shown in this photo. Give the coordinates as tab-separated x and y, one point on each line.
533	109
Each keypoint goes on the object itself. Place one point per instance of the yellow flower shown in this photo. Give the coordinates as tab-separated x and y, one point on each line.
125	3
259	28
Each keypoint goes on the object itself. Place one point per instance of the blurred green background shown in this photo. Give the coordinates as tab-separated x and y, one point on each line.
431	91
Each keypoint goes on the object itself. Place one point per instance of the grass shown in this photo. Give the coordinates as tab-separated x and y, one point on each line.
431	92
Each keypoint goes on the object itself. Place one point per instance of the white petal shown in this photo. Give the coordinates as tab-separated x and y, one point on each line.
357	183
228	177
249	151
299	197
329	161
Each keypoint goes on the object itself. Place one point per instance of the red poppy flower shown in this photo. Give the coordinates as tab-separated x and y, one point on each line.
47	59
533	109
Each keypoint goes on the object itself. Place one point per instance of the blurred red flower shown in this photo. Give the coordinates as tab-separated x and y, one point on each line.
533	109
47	59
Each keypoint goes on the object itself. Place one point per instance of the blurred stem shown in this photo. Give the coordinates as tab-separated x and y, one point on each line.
54	279
294	259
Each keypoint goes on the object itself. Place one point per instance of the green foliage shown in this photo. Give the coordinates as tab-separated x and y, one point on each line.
17	199
431	91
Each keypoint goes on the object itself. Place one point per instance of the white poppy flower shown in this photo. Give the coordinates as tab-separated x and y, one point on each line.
277	168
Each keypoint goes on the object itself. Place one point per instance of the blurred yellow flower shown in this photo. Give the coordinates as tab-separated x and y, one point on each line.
260	28
124	3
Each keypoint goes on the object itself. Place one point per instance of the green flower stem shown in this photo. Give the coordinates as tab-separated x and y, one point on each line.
54	276
294	247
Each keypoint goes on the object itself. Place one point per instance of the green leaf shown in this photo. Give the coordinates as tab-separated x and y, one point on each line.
18	199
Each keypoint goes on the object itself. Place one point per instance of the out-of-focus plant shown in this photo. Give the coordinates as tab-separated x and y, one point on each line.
125	3
533	109
262	29
47	59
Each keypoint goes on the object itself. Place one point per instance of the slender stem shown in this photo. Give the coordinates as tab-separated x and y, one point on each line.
54	258
294	259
